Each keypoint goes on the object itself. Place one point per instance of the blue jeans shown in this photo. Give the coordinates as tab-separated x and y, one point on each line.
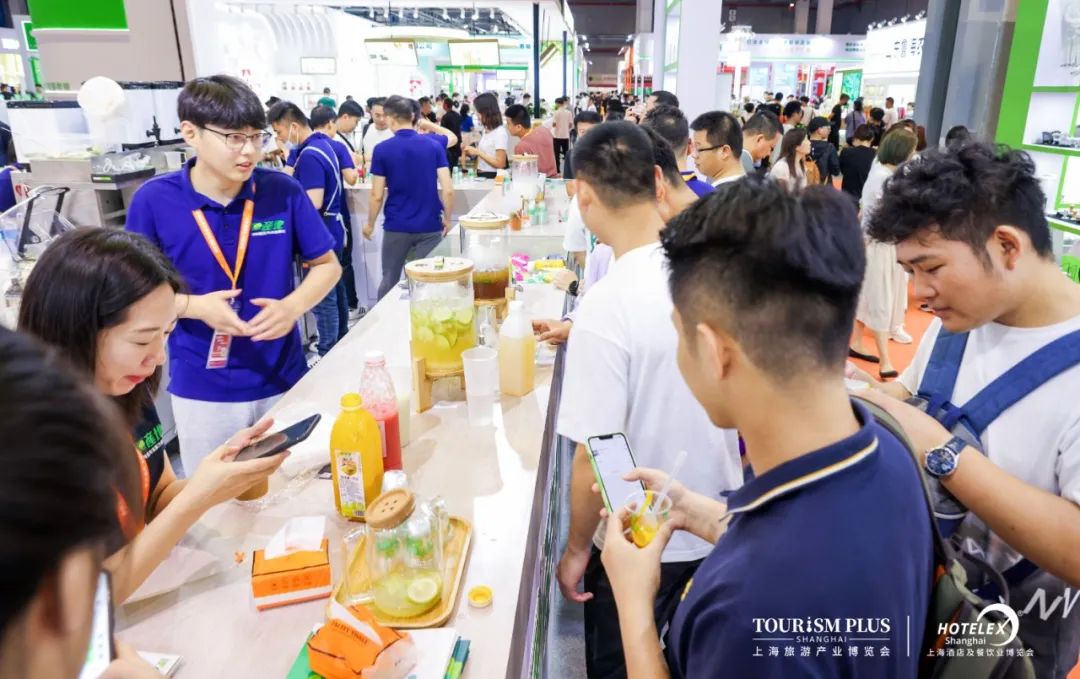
332	315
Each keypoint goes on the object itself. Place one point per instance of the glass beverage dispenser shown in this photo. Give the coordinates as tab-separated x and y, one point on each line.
442	319
486	242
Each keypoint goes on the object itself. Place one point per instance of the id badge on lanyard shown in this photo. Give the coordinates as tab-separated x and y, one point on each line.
221	341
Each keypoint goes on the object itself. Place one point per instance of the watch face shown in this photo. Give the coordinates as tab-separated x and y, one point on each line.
940	462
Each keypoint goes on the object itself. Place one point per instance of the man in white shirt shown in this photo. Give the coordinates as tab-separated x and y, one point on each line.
968	225
561	122
891	114
378	132
621	376
718	147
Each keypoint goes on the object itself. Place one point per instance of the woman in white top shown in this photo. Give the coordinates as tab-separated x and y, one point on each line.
883	300
790	168
493	150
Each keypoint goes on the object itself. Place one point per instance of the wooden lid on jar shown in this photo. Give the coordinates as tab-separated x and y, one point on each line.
484	221
438	269
390	509
519	157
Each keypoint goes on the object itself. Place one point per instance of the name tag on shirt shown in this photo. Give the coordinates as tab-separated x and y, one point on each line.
218	357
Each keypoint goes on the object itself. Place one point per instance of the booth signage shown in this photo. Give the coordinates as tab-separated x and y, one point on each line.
782	46
895	49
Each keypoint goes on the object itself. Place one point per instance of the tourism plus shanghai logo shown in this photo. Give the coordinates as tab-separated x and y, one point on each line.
811	637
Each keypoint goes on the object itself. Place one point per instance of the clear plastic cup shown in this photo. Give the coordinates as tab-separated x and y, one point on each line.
648	511
481	371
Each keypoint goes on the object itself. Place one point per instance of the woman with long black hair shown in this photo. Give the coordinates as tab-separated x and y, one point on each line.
493	150
106	299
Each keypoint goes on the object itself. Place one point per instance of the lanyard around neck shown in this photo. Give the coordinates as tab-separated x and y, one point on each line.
241	248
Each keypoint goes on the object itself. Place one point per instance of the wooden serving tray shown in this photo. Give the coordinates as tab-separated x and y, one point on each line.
455	554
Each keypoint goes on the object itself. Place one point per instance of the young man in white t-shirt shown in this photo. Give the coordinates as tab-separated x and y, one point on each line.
968	226
376	133
621	376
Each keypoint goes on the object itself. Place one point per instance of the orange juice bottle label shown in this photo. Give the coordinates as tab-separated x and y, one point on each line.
349	472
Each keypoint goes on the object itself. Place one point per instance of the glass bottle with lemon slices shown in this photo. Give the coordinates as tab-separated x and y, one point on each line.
405	555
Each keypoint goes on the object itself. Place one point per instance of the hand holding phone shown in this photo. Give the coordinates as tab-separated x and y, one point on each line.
279	441
611	460
101	651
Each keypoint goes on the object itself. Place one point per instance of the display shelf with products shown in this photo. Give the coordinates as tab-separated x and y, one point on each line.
1040	107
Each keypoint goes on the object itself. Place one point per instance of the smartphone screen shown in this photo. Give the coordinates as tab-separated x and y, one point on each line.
611	460
100	653
279	441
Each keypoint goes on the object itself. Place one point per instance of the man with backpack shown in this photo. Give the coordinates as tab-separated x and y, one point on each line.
998	370
826	531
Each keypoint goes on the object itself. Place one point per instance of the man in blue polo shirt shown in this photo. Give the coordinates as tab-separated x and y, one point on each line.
318	171
324	120
671	124
806	578
233	231
407	172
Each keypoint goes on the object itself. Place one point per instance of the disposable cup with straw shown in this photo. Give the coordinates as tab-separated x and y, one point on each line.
650	509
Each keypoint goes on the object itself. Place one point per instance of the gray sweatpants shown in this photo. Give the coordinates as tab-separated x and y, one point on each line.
400	247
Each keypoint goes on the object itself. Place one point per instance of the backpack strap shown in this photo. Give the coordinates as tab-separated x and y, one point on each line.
1022	379
939	379
336	169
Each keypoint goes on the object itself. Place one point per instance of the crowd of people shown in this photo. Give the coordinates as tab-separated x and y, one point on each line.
726	261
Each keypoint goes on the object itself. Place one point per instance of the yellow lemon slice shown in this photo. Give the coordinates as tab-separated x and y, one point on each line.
423	591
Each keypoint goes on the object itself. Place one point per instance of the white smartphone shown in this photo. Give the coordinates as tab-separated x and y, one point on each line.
101	651
611	459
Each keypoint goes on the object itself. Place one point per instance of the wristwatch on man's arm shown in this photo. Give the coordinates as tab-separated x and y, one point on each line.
941	462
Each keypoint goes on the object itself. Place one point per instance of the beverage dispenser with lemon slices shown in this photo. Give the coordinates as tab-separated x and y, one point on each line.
442	319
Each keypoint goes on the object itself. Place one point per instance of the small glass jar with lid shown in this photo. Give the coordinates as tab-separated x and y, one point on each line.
441	313
405	553
485	241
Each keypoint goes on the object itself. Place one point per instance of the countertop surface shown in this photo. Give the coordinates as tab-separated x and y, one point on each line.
487	475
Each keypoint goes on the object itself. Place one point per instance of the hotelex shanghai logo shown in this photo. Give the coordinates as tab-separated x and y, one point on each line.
997	625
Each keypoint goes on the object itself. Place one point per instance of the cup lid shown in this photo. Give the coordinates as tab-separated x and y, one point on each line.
390	509
484	220
438	269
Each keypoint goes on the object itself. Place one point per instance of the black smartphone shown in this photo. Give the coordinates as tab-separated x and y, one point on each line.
101	650
279	441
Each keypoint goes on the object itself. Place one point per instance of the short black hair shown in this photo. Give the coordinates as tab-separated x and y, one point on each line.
779	96
888	99
616	160
377	101
671	124
804	99
288	112
845	95
424	100
964	193
877	114
764	123
223	101
957	134
371	101
857	104
792	107
519	115
748	107
664	156
352	108
780	271
322	116
399	108
864	133
590	117
666	98
721	129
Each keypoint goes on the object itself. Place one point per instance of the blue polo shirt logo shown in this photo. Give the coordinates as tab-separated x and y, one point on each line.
268	228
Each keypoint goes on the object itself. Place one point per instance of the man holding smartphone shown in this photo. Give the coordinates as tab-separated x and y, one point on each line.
621	377
834	525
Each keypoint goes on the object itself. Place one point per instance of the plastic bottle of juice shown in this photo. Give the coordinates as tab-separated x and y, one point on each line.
355	458
377	390
517	353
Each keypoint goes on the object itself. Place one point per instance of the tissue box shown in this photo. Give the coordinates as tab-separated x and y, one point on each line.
291	579
356	646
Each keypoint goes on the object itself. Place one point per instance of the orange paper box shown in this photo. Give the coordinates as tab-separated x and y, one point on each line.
291	579
356	646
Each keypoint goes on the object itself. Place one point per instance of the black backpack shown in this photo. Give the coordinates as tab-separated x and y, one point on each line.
953	605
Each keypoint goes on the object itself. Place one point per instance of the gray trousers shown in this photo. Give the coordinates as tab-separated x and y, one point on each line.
400	247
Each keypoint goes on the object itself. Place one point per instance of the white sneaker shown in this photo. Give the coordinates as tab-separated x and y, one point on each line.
900	336
313	360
